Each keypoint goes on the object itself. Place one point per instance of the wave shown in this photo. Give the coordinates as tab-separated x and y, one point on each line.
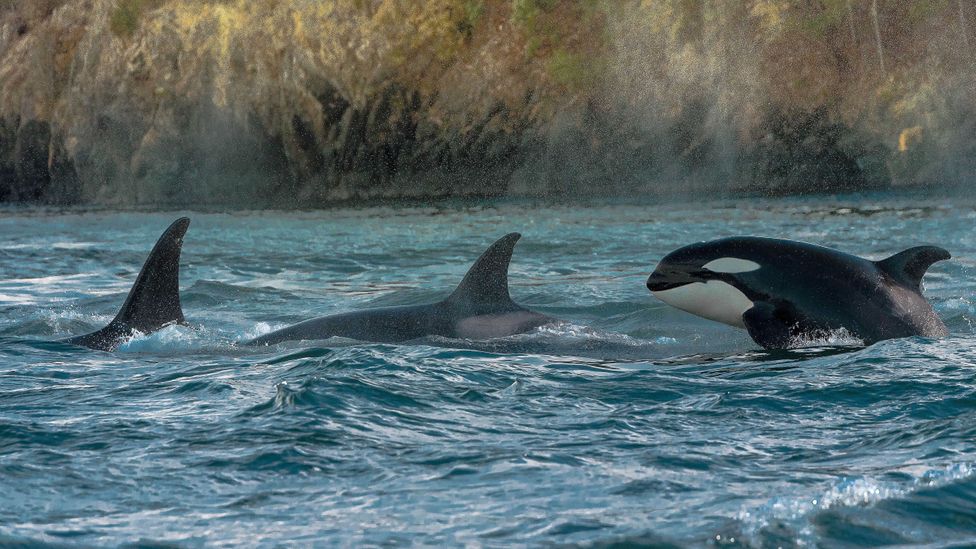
869	506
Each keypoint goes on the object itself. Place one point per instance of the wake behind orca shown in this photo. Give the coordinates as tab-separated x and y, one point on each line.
480	308
783	291
154	300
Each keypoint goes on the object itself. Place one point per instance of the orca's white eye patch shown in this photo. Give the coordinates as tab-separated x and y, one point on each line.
731	265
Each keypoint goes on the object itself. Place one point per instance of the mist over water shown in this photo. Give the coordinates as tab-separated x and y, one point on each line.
299	103
632	422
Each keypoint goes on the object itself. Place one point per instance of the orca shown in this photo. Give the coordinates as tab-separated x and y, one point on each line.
480	308
154	300
784	292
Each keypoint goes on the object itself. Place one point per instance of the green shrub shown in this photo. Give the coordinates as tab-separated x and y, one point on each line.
126	17
568	69
471	11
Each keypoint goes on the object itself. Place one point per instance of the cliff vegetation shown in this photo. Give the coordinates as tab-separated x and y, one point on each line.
302	102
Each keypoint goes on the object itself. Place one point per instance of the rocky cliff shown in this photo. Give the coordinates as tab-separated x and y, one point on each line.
302	102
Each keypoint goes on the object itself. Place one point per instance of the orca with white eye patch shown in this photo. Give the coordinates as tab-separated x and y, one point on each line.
784	291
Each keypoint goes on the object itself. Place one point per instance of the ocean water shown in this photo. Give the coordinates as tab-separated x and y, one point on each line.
631	423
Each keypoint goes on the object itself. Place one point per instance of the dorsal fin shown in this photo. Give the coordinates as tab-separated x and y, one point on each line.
487	280
909	266
154	300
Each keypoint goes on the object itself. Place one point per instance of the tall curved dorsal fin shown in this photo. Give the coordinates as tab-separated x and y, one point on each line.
487	280
154	300
910	265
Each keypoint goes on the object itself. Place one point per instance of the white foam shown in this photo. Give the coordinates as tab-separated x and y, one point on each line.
257	330
830	338
58	320
73	245
849	492
182	338
170	338
575	332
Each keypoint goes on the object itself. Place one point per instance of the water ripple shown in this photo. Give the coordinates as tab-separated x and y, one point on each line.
630	424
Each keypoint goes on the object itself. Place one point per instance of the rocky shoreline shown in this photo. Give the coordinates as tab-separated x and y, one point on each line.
260	103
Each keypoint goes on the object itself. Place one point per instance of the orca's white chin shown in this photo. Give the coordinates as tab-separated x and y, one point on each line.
714	300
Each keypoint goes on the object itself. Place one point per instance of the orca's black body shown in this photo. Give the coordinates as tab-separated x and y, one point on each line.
153	301
480	308
782	291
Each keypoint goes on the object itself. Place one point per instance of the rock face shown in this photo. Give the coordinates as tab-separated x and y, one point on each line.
257	103
300	102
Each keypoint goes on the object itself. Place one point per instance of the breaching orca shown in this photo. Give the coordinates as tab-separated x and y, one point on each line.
480	308
153	301
783	291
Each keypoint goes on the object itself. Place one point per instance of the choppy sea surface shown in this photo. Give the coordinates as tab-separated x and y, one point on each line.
631	423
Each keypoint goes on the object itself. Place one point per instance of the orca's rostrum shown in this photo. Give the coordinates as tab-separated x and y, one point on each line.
784	292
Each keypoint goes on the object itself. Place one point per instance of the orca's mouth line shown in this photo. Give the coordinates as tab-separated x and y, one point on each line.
665	285
672	278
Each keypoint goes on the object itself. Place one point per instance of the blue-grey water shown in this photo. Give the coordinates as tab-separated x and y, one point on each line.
631	423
